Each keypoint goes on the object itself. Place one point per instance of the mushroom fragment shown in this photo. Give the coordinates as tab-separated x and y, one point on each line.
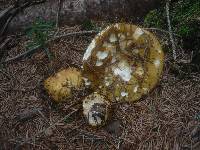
129	56
60	85
96	109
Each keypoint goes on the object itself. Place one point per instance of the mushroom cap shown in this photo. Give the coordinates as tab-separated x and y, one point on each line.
123	62
61	84
96	109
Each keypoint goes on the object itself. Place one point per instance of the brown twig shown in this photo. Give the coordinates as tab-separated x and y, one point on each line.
170	30
21	55
7	16
58	14
9	13
53	39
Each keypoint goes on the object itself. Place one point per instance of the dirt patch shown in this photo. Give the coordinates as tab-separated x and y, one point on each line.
165	119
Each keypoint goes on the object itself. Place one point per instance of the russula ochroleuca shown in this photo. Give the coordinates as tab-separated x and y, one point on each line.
123	62
60	85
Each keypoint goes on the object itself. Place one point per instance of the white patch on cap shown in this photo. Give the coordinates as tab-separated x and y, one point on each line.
117	26
135	89
136	51
112	38
108	81
138	32
89	50
123	94
159	50
157	62
113	60
87	82
99	63
123	70
102	54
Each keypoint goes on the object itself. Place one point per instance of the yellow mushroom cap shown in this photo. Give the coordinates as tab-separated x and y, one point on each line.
96	109
61	84
123	62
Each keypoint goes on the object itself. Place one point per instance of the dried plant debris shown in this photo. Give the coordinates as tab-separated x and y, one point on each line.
123	62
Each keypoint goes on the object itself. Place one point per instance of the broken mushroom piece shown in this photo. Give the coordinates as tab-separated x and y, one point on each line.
96	109
123	62
60	85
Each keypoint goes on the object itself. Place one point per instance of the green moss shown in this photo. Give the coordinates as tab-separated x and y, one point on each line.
184	16
88	25
153	19
182	13
38	34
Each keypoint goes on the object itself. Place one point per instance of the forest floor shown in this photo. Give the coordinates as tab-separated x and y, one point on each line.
167	118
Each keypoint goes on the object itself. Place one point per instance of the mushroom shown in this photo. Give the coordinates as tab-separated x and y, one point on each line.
123	62
60	85
96	109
